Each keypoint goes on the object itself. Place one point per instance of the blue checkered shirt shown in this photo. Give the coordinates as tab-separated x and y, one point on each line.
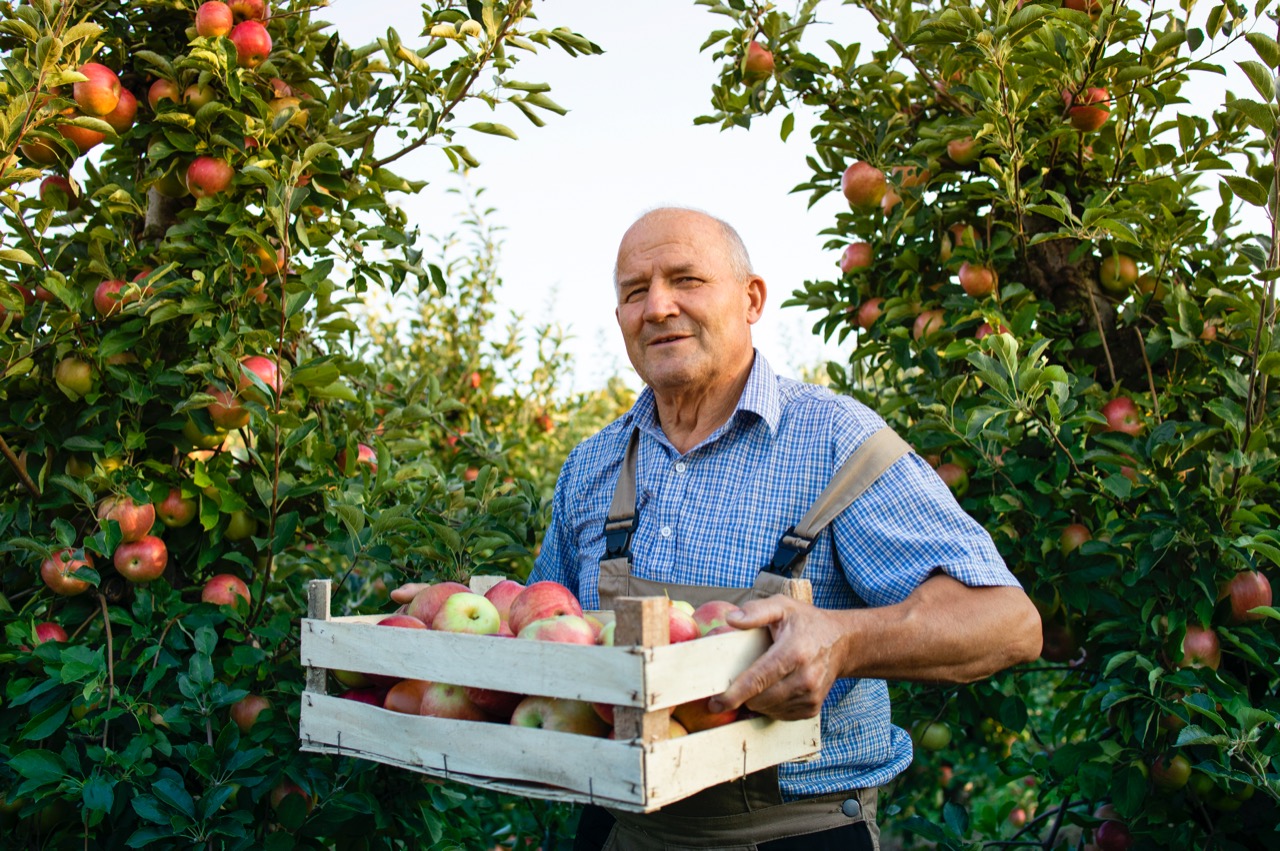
713	516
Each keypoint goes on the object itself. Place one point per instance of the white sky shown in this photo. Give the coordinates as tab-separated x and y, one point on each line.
566	192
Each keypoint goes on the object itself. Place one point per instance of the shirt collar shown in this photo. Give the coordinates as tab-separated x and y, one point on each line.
760	396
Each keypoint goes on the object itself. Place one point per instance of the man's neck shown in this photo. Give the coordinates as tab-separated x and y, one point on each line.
688	418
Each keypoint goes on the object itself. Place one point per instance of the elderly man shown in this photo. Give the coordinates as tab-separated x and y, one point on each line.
710	482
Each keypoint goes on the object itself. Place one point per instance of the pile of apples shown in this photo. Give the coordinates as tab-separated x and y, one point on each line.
543	611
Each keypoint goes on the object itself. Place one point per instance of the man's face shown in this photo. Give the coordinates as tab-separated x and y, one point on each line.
684	314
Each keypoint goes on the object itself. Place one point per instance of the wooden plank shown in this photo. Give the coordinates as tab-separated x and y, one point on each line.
689	670
602	674
677	768
318	595
642	622
599	769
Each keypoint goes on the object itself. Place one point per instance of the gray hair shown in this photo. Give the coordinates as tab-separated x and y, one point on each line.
739	259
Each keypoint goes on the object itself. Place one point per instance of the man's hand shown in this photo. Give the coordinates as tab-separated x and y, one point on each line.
793	676
406	593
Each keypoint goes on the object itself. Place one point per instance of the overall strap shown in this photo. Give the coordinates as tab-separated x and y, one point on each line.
621	521
875	455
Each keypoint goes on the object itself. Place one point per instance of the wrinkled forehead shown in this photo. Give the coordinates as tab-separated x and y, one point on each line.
669	237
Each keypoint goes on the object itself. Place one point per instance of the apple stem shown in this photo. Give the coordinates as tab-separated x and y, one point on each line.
111	665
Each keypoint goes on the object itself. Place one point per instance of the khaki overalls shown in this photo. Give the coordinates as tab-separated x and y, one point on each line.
737	815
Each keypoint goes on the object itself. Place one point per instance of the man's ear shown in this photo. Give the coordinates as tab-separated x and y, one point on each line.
757	292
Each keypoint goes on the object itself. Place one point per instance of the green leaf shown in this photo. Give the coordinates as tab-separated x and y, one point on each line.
38	766
1262	78
17	255
1266	47
171	792
1249	191
494	129
46	723
98	794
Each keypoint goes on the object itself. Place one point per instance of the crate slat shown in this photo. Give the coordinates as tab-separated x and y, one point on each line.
679	673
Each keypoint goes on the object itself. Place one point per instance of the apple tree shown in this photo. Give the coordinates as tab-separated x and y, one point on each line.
194	207
1057	267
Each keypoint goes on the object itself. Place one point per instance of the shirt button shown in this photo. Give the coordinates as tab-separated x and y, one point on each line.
681	467
665	531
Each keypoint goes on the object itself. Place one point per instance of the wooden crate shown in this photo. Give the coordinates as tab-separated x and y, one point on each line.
644	677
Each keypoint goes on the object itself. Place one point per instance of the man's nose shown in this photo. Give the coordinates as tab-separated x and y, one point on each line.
660	303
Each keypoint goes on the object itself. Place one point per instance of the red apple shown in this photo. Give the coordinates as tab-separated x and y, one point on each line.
107	299
712	614
1123	416
499	705
56	572
869	311
265	370
1112	835
863	185
928	323
759	63
82	137
567	629
225	410
135	520
406	696
402	621
223	589
911	175
857	255
195	96
253	43
245	711
985	330
207	176
1200	649
1248	589
99	94
286	790
542	600
49	631
1118	274
364	455
467	613
696	716
955	477
560	714
963	151
142	560
681	625
369	696
249	10
214	19
161	91
1085	116
1072	537
121	118
426	603
176	510
502	595
442	700
977	281
57	192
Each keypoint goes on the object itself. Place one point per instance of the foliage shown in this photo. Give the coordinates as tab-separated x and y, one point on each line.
1174	510
120	736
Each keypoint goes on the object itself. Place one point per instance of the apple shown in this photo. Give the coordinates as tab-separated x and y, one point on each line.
161	91
191	431
605	638
353	679
1248	589
963	151
471	474
502	595
366	695
863	185
567	629
82	137
928	323
249	10
176	510
426	603
56	572
890	200
1072	537
560	714
911	176
214	19
696	715
121	118
759	63
207	176
57	192
468	613
1092	7
252	41
245	711
681	625
977	281
1084	115
1149	284
99	94
985	330
142	560
402	621
240	526
107	299
364	455
286	790
223	589
225	410
1200	649
1170	773
265	370
49	631
405	696
1112	835
1118	274
857	255
298	118
279	88
196	96
869	311
712	614
1123	416
1017	817
135	520
955	477
442	700
542	600
931	735
499	705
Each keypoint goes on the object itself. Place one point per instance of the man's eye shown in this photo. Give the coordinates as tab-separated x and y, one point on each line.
633	295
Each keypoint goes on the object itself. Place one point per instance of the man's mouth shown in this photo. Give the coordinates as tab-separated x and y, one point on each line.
667	338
